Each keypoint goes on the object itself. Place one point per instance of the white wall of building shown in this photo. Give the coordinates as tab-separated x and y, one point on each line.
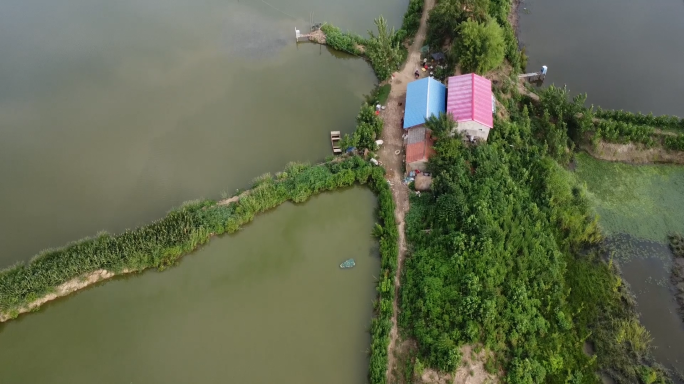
472	128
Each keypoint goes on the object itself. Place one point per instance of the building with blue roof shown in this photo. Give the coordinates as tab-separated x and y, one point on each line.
424	97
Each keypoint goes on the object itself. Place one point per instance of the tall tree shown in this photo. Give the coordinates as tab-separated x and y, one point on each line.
383	49
481	46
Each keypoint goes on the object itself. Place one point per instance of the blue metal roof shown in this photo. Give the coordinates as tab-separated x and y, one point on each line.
424	97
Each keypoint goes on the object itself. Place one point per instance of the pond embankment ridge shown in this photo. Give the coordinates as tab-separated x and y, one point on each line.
58	272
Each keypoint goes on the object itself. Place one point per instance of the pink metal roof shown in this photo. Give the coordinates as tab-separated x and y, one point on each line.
469	97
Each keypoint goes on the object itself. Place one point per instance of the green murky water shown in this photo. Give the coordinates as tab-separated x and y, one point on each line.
269	304
638	207
644	201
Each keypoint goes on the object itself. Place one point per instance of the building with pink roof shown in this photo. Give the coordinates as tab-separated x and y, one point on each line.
471	103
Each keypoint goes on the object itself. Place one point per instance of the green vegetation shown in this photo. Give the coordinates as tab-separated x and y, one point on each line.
450	16
411	22
624	133
497	253
383	49
441	126
161	243
675	143
383	93
342	41
387	233
619	127
368	129
480	47
662	122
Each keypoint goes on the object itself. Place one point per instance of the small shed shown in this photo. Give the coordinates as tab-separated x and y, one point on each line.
422	182
470	102
424	97
419	148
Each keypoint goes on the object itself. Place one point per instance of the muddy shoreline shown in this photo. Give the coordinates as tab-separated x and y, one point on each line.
62	290
631	154
677	271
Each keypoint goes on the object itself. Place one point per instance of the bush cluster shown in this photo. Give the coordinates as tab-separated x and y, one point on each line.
675	143
387	234
504	254
622	133
479	31
663	122
412	17
342	41
480	47
368	129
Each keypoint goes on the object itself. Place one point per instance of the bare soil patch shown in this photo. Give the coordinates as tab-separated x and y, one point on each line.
471	371
64	290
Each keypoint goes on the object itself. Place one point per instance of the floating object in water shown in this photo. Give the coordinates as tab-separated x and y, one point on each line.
348	264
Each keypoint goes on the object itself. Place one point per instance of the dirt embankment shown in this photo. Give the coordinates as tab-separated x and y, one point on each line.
65	289
392	157
633	154
82	282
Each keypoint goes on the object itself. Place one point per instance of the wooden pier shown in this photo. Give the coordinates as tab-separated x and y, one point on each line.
335	142
534	76
316	36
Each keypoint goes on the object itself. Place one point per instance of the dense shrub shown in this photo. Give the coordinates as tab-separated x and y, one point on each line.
480	47
662	122
496	260
383	50
623	133
342	41
412	17
368	129
675	143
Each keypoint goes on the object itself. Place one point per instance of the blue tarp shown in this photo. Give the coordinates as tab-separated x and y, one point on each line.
424	97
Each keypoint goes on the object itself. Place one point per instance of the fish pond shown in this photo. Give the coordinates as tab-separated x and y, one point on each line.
268	304
638	207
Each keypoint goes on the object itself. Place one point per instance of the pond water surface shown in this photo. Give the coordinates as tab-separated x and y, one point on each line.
269	304
112	112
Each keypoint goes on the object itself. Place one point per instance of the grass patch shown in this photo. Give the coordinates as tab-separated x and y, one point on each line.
383	93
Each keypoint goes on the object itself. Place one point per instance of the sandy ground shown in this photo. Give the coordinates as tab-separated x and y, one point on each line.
65	289
471	371
392	156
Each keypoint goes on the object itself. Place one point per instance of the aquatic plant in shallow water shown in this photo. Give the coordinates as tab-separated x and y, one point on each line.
644	201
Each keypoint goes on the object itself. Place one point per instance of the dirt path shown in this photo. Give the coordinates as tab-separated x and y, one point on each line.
392	157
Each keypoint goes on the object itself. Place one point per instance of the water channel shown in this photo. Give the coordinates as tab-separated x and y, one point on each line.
113	112
624	55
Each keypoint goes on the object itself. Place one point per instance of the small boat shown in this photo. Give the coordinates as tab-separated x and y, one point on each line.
348	264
